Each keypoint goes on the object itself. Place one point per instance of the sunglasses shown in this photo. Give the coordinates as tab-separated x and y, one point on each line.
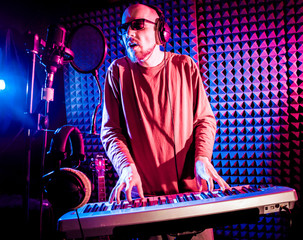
136	24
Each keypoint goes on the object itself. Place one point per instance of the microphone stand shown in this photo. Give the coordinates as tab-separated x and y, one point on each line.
51	60
33	49
38	122
47	95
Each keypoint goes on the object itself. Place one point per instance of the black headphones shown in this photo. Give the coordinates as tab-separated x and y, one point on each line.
67	188
162	29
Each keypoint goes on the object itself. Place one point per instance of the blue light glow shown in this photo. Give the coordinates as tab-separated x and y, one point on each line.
2	84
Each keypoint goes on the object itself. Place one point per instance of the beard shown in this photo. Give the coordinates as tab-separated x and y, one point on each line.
138	56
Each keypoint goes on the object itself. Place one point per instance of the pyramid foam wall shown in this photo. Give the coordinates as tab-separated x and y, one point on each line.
250	54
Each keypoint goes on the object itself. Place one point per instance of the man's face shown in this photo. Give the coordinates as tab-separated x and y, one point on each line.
139	44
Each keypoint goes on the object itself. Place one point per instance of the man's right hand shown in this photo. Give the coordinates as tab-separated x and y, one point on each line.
129	178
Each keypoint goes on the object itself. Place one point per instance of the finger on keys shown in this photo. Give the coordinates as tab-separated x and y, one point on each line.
128	188
210	184
129	194
199	183
112	195
140	190
223	185
118	192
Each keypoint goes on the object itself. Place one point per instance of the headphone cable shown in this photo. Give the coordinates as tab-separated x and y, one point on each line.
172	115
80	226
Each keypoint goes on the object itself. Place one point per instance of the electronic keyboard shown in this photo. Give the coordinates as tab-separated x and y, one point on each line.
103	218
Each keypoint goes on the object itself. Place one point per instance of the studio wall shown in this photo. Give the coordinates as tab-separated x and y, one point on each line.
250	55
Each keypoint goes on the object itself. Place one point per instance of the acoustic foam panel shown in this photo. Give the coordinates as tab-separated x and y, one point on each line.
250	54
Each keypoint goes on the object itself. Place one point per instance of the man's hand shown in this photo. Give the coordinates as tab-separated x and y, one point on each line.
205	170
129	178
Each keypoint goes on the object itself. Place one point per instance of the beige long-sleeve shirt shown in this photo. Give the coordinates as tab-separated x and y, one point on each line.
152	113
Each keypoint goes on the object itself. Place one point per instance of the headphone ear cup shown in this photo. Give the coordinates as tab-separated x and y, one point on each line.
162	31
166	33
67	188
158	32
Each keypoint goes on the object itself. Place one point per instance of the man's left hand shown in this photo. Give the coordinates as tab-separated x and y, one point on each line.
205	170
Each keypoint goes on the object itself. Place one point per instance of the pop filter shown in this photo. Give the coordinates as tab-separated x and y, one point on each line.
89	47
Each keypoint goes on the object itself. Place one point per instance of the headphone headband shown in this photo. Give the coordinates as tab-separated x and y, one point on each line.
59	141
157	9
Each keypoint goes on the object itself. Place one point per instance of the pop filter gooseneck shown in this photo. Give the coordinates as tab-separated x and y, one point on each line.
89	47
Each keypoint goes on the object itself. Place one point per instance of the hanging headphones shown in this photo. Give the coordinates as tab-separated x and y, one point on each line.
67	188
162	29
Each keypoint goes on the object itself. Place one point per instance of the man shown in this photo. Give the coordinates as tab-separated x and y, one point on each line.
158	128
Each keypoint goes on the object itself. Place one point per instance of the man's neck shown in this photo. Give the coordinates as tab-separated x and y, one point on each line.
154	59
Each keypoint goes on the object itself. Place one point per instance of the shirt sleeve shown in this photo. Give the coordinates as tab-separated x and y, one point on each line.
204	120
113	125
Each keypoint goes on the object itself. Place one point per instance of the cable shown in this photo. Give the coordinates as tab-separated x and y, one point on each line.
288	212
172	115
80	226
286	209
93	126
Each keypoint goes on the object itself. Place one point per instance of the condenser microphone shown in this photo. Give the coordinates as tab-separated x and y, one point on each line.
55	53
